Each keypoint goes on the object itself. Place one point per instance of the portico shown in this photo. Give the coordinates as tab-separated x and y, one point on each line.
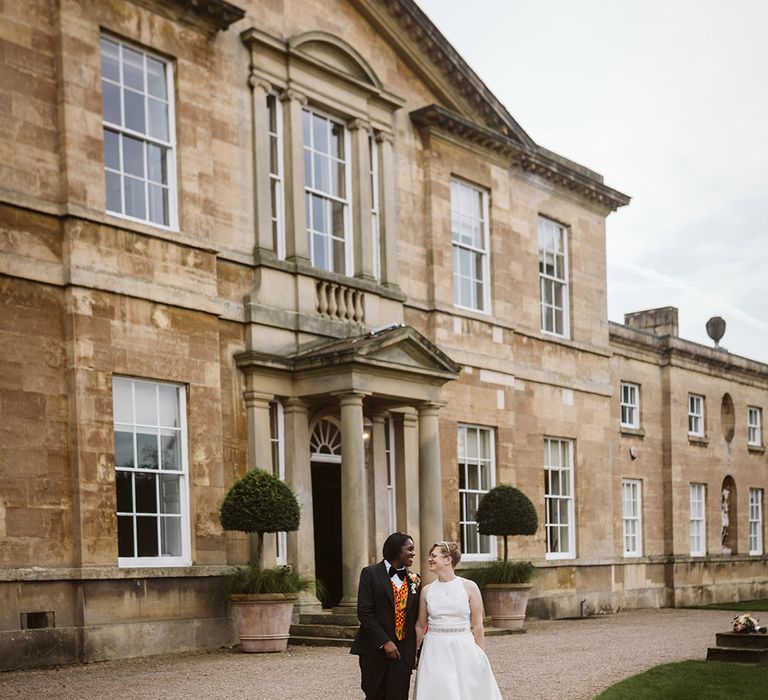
367	406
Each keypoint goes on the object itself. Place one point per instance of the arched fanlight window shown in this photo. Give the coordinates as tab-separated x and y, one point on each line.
325	442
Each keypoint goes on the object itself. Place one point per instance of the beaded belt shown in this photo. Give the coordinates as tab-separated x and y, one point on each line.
448	630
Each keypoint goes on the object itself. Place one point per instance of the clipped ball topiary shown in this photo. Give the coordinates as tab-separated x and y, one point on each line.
260	502
506	511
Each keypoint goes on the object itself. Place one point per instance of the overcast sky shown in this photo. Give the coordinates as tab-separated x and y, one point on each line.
668	99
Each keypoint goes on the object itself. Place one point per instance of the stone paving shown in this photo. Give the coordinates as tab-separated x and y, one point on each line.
555	660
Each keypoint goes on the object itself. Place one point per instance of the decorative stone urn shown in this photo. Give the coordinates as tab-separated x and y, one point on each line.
263	620
506	604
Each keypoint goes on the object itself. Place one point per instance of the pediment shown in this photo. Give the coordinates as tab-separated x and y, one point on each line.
397	348
335	53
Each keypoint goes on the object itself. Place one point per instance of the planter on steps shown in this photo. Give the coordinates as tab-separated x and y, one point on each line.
263	620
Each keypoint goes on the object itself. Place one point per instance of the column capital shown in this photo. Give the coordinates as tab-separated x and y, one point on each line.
347	398
355	124
295	405
378	417
292	94
384	137
430	408
253	398
255	80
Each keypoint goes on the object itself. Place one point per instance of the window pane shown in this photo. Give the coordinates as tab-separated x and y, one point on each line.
321	173
135	204
122	400
171	459
320	134
125	536
124	486
133	68
146	403
169	406
473	480
170	498
124	450
111	149
134	111
158	120
114	193
146	492
339	261
338	179
146	449
133	156
110	102
110	67
337	141
146	534
170	529
158	204
156	164
156	78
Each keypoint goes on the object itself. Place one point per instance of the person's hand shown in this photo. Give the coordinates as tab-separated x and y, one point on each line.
390	649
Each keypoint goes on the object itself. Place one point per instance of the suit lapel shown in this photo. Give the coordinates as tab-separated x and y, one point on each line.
381	571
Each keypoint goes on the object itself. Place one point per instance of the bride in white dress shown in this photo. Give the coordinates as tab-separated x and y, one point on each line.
453	665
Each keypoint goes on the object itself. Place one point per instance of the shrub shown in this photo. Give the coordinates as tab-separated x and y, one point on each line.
250	579
259	503
506	511
501	572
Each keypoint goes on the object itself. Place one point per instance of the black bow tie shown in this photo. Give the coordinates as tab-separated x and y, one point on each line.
399	572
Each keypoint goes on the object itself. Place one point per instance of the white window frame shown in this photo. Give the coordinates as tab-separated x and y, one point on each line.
553	473
165	561
697	518
483	305
277	443
121	130
389	449
696	415
375	207
277	177
629	405
345	202
755	522
632	517
464	463
754	426
554	281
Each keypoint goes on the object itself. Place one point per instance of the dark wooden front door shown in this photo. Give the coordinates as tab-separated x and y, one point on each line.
326	506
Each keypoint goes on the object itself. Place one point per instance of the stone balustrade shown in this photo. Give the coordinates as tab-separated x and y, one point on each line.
339	303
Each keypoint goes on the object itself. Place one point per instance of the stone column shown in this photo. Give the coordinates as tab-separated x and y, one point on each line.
407	476
354	516
301	544
379	503
259	455
430	480
362	198
390	272
262	198
296	245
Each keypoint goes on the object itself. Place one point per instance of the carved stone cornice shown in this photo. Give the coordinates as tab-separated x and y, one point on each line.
257	81
209	15
525	155
384	137
355	124
292	94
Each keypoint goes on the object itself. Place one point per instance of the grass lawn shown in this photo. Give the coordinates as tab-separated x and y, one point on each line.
702	680
744	606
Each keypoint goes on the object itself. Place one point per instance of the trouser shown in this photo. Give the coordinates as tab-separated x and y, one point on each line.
385	679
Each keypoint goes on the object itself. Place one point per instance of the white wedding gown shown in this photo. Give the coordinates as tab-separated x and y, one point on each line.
452	666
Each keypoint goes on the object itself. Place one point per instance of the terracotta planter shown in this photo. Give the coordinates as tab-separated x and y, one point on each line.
506	603
263	620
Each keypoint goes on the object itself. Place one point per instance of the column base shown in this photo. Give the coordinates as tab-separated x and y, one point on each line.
346	606
307	604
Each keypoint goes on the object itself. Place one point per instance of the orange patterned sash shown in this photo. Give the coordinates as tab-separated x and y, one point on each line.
401	601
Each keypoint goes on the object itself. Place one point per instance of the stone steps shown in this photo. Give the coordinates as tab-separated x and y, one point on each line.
338	629
739	648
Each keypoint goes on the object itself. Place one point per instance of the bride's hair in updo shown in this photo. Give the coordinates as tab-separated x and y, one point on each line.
450	549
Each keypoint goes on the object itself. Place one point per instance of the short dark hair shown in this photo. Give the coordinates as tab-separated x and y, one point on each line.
393	544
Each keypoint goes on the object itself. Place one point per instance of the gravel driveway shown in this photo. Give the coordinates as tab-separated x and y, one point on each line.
565	659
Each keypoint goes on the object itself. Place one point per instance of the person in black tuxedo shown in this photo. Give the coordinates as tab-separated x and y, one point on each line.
387	606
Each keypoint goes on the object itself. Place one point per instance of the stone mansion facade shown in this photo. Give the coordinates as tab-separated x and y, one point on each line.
306	237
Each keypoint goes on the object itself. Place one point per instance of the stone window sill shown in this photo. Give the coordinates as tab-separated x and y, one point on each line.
632	432
698	440
757	449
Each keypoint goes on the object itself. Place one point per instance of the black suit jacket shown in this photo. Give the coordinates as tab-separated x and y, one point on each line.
376	612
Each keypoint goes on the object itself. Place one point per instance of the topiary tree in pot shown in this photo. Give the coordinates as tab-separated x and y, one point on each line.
505	511
262	599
